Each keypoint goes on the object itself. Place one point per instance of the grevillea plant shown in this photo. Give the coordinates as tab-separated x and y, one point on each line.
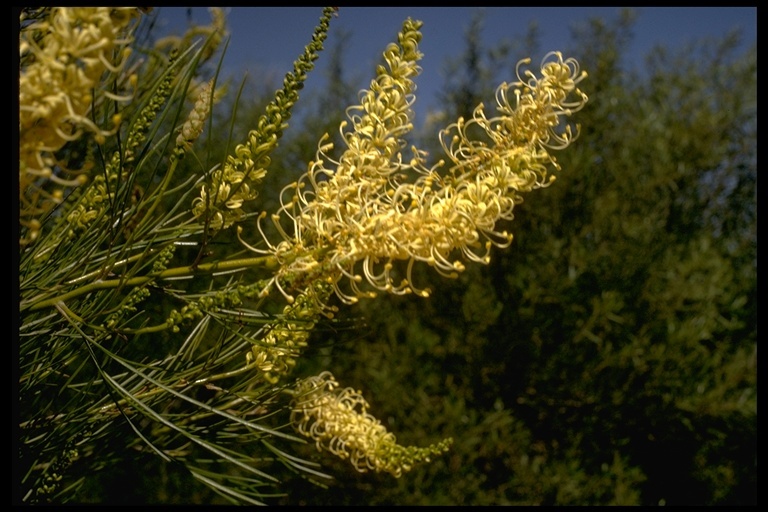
132	337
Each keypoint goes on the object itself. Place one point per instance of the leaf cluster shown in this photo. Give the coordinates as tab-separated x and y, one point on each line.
133	334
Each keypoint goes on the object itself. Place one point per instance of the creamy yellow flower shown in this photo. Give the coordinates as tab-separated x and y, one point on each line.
338	421
353	219
68	53
64	57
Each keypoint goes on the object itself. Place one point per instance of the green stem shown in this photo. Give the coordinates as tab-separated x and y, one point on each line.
267	262
100	271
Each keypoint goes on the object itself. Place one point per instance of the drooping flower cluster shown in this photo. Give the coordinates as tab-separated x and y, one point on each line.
355	218
338	421
63	57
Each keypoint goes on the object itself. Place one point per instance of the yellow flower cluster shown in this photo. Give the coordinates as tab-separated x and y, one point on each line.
234	184
64	56
193	126
230	187
338	421
354	218
276	353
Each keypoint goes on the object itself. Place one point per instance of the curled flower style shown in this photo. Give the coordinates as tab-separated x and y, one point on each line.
338	421
64	56
353	219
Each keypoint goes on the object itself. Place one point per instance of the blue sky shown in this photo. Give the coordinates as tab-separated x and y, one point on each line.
266	40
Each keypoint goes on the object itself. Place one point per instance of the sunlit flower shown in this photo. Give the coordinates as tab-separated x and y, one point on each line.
63	59
353	219
338	421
